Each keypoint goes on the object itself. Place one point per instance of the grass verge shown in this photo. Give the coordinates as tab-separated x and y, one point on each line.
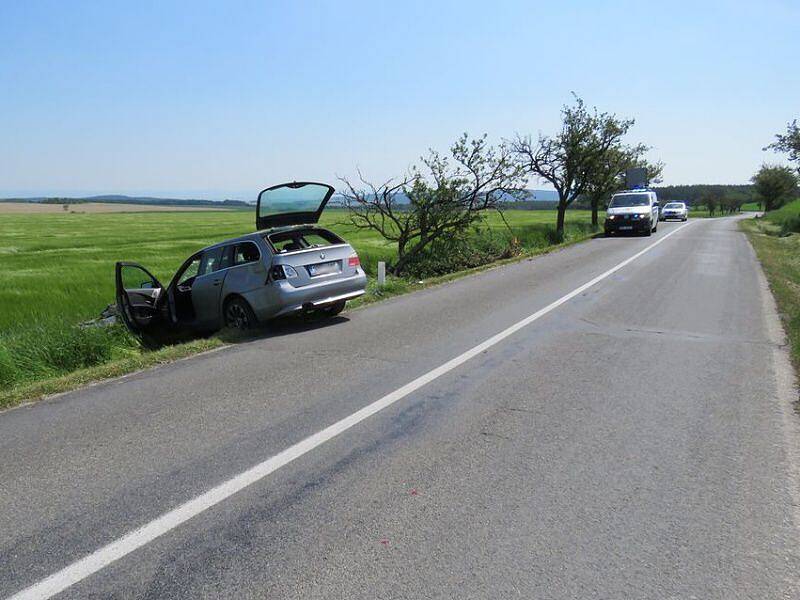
36	390
779	254
127	359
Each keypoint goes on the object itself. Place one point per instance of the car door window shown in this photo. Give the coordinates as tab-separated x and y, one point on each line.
190	272
136	278
227	258
246	252
209	262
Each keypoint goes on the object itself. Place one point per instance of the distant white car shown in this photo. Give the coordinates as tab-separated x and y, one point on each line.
675	210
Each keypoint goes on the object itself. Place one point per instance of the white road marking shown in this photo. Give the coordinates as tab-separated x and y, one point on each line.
101	558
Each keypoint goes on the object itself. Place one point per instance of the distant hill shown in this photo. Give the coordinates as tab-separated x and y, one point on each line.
122	199
530	199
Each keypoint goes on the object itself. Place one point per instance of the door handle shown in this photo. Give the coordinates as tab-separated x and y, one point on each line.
216	281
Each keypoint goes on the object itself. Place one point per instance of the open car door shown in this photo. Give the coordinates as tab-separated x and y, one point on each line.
296	203
140	301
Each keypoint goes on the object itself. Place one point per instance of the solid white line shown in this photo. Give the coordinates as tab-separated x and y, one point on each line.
106	555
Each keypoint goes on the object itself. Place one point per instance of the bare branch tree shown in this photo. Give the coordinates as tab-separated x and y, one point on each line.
443	196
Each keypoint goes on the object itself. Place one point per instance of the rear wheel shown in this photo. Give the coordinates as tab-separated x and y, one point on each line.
239	315
334	309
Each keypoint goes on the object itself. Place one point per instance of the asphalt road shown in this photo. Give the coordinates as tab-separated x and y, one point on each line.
636	441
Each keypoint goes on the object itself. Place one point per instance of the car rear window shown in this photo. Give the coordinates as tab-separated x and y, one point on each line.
301	239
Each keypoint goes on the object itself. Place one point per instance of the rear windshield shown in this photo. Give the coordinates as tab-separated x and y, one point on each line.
629	200
292	198
674	205
301	239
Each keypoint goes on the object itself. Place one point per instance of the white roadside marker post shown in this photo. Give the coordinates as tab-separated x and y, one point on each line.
381	273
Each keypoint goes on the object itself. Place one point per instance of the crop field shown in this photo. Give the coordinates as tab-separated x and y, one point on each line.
58	270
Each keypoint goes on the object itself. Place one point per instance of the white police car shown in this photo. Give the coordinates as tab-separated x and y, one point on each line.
634	211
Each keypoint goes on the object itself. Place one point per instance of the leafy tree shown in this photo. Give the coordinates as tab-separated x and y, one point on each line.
711	203
574	157
609	177
775	184
442	198
788	142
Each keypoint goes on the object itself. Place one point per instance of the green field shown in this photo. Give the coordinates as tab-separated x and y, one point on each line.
58	270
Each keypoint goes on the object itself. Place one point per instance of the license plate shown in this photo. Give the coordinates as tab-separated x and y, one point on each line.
624	227
324	268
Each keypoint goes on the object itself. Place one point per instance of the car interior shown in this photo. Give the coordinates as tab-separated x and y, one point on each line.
302	239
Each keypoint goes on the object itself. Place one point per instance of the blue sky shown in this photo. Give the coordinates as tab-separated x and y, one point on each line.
220	99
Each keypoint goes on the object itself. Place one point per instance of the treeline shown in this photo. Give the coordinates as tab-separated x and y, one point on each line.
697	195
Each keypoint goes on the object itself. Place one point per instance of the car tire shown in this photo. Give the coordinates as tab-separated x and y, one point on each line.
656	227
334	309
238	314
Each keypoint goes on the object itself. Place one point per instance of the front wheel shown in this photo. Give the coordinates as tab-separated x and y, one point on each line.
239	315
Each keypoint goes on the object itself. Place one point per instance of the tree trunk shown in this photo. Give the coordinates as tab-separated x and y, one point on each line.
595	204
562	209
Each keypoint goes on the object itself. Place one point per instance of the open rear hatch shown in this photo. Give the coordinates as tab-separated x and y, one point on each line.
307	255
296	203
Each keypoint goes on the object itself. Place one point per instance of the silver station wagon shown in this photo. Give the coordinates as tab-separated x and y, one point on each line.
288	266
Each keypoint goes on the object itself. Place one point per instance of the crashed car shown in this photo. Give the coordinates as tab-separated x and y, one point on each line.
288	266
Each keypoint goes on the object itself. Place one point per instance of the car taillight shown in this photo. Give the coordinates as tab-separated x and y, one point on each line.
279	272
353	261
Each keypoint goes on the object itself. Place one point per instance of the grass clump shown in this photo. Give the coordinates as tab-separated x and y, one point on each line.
51	349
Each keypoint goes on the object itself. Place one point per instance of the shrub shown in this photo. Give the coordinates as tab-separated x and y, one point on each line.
448	255
790	225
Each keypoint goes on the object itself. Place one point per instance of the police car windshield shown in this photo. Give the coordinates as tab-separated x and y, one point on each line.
629	200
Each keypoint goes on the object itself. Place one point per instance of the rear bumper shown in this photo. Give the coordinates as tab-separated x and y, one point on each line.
281	298
629	225
678	217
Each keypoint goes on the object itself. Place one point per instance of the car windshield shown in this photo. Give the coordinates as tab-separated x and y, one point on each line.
674	205
624	200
